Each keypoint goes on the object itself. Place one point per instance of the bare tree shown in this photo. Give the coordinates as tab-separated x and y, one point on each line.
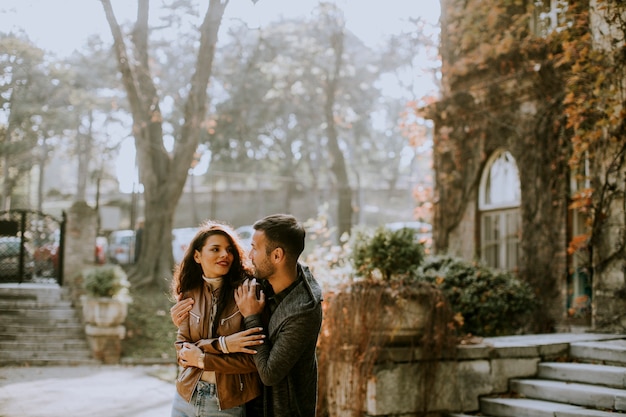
162	173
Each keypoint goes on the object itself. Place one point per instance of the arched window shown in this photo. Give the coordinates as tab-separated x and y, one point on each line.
499	206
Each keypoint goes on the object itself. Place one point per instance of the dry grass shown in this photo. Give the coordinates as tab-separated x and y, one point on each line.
150	333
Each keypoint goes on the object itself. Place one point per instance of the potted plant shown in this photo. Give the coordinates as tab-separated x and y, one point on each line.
385	262
383	306
105	306
106	298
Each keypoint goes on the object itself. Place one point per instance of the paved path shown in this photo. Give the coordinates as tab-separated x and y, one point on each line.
94	391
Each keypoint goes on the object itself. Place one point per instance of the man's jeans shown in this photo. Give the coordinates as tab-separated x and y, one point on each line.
203	404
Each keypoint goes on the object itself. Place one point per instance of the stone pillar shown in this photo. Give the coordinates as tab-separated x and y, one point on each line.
80	243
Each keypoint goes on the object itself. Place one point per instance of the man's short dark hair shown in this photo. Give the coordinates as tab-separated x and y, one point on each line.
283	231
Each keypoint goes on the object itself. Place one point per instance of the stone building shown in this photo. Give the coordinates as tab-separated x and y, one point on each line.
529	151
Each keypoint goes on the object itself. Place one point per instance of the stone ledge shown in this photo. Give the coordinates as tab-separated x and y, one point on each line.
476	370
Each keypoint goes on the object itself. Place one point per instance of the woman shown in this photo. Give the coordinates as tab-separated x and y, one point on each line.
219	375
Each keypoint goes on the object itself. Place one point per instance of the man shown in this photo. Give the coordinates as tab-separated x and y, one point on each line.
286	362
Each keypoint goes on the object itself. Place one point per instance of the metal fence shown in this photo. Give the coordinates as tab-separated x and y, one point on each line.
31	246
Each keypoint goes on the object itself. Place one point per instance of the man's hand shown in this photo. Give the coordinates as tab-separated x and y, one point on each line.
239	342
180	311
246	299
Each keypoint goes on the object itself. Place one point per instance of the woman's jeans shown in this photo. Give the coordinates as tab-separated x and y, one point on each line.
203	403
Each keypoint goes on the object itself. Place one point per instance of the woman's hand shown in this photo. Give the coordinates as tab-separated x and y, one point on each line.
246	299
243	340
191	355
180	311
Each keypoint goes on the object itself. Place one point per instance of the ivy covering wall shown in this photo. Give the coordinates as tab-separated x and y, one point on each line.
555	101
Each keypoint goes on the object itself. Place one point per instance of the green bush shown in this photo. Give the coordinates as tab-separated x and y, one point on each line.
108	281
492	302
392	254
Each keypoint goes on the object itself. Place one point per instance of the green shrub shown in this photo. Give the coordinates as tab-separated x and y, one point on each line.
492	302
108	281
391	254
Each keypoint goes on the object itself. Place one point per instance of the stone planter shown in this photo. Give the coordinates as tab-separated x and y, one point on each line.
369	319
402	323
104	312
104	319
394	317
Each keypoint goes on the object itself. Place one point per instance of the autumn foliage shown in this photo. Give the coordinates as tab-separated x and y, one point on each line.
546	80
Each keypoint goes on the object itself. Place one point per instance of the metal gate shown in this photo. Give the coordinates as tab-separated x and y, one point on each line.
31	246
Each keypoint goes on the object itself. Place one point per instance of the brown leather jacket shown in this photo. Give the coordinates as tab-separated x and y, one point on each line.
236	376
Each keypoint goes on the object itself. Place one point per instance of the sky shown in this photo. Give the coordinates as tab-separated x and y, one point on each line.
63	26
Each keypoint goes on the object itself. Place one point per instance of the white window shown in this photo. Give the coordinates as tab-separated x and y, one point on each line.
548	16
499	202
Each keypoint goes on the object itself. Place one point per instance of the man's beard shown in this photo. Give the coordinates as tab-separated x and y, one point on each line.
262	273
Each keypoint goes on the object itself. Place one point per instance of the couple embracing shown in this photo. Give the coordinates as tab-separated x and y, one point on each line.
246	337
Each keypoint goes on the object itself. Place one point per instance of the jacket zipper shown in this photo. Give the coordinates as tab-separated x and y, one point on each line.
224	320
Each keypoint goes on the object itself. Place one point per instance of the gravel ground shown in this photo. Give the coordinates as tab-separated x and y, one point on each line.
94	391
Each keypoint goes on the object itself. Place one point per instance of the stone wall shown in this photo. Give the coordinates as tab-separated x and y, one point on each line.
609	255
480	369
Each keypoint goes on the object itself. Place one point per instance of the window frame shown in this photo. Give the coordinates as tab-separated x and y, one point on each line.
548	16
500	221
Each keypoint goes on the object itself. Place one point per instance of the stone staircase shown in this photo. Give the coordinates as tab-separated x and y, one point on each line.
591	383
40	327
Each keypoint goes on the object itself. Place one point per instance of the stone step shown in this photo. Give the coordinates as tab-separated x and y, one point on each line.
58	336
6	297
571	393
465	415
52	362
609	352
586	373
31	311
33	304
13	356
41	292
43	345
517	407
40	327
43	321
68	359
50	315
12	328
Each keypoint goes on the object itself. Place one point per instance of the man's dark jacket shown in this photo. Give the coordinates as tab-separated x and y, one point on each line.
287	362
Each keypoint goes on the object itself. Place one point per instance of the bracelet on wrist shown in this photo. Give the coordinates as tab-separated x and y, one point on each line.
223	346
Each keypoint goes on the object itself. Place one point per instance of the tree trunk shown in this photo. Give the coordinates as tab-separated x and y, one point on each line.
84	145
41	176
162	174
337	161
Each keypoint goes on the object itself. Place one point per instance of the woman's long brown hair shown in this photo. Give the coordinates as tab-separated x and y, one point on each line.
188	274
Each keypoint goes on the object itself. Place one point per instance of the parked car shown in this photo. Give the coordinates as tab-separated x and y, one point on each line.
181	237
101	250
46	259
10	259
423	231
245	235
121	247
